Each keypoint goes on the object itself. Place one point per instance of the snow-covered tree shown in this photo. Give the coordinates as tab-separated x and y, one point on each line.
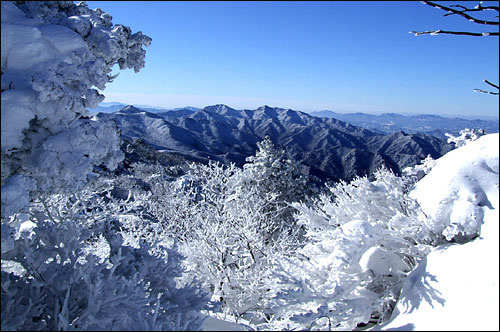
221	238
56	56
233	225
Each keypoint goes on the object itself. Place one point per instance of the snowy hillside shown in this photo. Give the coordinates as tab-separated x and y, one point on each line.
456	286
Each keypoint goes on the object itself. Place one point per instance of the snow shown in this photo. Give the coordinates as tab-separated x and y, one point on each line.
49	72
41	44
17	120
214	324
52	67
453	195
14	197
12	14
456	286
381	262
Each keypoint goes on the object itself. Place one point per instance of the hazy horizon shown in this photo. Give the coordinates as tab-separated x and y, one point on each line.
463	116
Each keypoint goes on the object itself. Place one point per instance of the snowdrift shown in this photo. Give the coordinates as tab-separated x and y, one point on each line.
456	286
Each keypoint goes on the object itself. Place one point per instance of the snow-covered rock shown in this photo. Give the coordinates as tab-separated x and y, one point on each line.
456	286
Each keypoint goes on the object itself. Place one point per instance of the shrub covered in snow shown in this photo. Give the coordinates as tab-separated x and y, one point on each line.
225	236
82	265
467	135
417	172
272	179
56	55
363	239
232	225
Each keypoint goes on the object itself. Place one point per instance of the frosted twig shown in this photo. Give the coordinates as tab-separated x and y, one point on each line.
462	13
466	33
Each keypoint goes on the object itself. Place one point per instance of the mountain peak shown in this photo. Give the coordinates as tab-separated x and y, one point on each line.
222	110
268	111
230	135
266	108
217	108
130	109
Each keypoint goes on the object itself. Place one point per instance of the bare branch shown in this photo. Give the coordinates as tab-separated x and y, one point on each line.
490	92
478	8
493	85
466	33
463	13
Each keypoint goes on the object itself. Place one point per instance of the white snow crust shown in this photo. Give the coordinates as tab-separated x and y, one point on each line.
456	286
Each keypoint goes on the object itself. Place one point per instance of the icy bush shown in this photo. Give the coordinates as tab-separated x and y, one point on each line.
232	225
221	237
274	180
364	237
79	272
417	172
55	58
383	201
467	135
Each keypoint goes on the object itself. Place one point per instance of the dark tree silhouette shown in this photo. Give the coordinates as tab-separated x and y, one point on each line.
467	13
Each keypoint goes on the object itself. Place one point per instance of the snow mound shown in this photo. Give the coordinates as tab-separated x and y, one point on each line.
381	262
456	286
454	194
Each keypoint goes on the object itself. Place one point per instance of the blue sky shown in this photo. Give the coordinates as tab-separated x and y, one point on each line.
344	56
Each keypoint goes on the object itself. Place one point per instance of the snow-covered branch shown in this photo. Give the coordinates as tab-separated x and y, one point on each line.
464	11
463	33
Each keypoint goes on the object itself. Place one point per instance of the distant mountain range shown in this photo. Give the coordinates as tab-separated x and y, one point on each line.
383	123
333	149
430	124
110	107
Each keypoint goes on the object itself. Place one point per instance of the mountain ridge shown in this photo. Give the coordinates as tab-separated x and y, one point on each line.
331	148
